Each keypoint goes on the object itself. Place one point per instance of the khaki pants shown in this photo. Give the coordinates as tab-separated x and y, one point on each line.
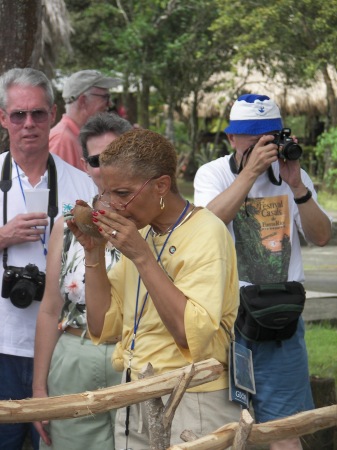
201	413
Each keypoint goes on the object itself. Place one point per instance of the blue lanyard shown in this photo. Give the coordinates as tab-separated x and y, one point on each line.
137	320
43	240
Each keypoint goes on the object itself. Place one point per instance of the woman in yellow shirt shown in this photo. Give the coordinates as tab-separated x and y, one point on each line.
175	283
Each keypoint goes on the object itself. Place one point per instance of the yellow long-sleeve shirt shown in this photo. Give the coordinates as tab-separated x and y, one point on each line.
200	259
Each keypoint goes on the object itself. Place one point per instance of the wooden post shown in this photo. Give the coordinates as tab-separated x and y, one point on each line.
243	430
159	416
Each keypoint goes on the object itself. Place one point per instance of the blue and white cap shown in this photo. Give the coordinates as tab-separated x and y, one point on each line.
254	114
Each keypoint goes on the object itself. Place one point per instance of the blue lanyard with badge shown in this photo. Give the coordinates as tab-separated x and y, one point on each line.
240	372
137	316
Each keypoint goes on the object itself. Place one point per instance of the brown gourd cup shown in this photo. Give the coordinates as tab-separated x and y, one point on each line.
83	219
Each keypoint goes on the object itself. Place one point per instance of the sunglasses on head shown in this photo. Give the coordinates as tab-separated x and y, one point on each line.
20	117
93	160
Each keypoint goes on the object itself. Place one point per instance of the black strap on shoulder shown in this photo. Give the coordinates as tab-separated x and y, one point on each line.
6	184
52	184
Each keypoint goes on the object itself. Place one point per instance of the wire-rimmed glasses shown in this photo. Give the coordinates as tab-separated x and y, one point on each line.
104	198
105	97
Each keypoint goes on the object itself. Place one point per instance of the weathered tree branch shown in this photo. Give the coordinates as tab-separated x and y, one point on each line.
188	436
166	14
290	427
87	403
159	416
243	430
121	9
159	436
177	394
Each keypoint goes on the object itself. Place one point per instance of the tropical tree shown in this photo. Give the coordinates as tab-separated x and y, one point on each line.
326	150
296	38
32	33
161	44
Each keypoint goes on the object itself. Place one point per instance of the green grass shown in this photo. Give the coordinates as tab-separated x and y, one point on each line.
321	340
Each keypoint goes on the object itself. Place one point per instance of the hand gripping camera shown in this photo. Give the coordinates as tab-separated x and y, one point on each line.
23	285
287	147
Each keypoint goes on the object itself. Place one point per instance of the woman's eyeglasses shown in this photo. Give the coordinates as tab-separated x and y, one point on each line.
20	117
104	198
93	160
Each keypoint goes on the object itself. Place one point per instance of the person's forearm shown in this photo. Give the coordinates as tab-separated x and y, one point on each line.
97	290
227	204
47	335
315	223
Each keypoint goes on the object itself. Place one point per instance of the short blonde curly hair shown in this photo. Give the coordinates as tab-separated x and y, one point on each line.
144	154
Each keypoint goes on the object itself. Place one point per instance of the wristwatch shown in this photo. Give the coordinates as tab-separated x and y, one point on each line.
303	199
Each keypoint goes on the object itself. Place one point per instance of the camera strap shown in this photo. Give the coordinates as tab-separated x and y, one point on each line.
236	170
272	177
6	184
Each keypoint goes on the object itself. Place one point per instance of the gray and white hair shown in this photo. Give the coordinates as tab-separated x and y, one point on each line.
25	77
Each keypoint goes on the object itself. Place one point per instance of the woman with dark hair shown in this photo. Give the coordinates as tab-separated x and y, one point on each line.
174	286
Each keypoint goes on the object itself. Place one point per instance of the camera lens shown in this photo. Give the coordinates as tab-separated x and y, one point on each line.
292	151
23	293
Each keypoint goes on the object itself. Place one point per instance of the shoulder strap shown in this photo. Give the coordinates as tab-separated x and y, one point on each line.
5	185
6	182
52	184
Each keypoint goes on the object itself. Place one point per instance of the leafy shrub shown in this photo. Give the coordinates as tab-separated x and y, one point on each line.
326	150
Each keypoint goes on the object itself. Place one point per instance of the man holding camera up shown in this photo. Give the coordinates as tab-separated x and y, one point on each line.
27	111
266	199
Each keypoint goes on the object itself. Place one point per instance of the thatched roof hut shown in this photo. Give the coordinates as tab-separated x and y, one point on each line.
223	88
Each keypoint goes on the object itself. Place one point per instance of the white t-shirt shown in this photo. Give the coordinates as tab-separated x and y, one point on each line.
17	331
265	230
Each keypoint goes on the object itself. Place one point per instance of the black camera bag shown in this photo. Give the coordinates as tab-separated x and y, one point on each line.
270	312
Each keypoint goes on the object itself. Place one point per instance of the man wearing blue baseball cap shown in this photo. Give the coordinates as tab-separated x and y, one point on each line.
266	200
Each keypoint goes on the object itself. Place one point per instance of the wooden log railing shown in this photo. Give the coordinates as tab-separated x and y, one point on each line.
290	427
88	403
233	434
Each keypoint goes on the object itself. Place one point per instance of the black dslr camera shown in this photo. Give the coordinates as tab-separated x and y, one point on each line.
23	285
287	147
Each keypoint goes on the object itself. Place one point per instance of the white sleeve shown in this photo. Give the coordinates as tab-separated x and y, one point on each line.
211	180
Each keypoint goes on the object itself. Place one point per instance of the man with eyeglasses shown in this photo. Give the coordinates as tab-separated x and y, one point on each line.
85	93
27	111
